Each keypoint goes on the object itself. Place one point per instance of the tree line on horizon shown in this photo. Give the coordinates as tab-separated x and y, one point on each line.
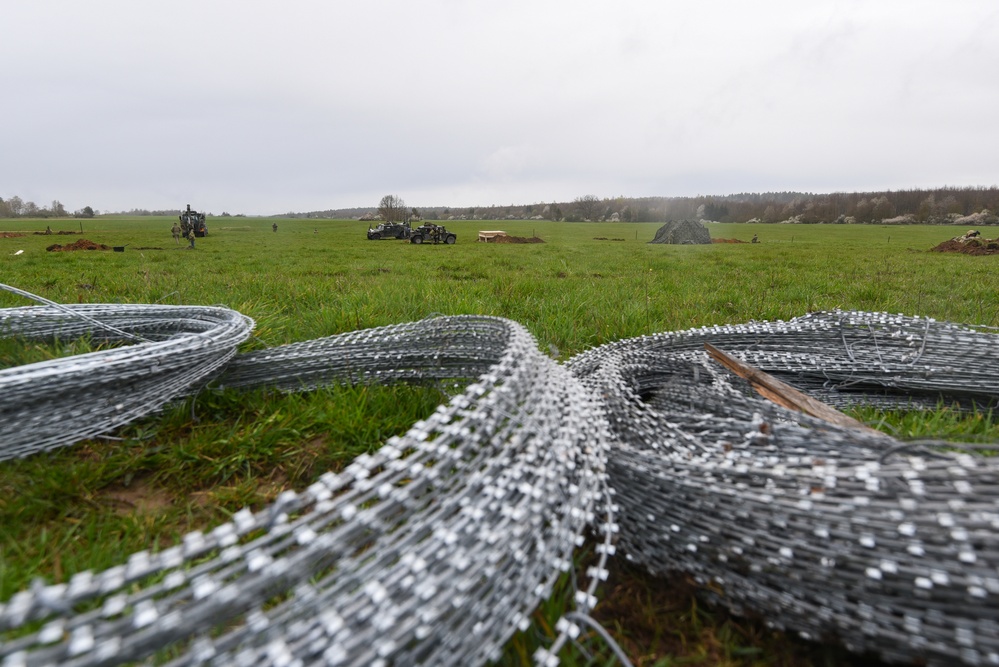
946	205
15	207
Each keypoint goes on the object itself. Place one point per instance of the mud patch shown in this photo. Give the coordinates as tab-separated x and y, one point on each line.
10	235
82	244
517	239
139	497
728	241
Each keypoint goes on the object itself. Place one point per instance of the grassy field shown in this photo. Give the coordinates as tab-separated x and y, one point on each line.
588	284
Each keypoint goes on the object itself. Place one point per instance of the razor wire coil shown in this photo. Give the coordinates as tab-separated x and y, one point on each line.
435	548
432	550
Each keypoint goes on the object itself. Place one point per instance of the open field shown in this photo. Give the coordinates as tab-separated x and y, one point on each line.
83	507
314	278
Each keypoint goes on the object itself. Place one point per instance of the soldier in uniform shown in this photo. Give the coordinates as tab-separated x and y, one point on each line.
175	230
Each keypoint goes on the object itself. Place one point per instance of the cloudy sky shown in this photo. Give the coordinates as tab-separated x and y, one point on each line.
264	107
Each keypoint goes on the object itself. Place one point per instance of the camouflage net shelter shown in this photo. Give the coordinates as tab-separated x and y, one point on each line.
682	231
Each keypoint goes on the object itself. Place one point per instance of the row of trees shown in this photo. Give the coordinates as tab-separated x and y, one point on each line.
941	205
938	206
15	207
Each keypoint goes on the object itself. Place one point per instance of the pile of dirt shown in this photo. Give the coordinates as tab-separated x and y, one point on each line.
10	235
517	239
61	232
604	238
728	241
970	247
686	232
970	243
82	244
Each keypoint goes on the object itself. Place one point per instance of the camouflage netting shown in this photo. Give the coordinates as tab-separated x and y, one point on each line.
682	232
435	548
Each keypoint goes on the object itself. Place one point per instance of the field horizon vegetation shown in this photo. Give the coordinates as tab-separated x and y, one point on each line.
196	462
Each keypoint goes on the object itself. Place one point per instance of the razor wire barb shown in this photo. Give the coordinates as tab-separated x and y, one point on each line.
436	548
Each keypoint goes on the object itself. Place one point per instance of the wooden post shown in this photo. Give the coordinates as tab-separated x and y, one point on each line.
784	394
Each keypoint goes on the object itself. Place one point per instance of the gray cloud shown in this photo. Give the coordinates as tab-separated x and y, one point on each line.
258	107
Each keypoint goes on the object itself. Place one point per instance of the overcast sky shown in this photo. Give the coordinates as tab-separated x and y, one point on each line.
266	107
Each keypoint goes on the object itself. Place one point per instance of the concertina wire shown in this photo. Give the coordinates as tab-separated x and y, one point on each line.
438	546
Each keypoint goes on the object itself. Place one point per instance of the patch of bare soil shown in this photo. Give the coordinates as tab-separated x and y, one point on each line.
727	241
139	497
604	238
517	239
59	233
82	244
10	235
975	246
667	619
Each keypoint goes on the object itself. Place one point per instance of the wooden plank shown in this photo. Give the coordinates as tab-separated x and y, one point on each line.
783	394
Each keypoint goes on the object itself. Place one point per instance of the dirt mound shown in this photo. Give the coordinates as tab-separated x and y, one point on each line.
970	243
517	239
969	247
82	244
728	241
684	232
61	232
10	235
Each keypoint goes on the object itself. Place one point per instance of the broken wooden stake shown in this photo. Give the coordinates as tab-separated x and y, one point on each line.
783	394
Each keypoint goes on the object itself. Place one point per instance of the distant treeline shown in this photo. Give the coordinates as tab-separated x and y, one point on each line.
15	207
969	205
936	206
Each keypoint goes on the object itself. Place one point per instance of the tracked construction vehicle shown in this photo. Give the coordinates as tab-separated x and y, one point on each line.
432	233
389	230
193	220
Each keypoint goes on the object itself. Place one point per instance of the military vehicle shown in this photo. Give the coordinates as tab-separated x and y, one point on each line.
432	233
193	220
389	230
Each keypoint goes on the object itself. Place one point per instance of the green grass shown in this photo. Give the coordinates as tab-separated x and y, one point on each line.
573	291
193	464
187	468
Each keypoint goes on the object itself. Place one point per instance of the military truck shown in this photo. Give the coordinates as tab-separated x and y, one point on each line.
193	220
430	232
389	230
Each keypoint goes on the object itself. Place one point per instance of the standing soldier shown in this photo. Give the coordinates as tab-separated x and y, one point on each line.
190	235
274	226
175	230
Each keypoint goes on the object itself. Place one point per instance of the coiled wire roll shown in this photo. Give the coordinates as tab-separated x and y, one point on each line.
435	549
834	533
171	350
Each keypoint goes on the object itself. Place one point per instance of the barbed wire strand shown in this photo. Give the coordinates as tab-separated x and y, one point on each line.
435	548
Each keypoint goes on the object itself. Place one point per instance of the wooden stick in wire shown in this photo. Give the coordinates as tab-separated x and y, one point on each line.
782	393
